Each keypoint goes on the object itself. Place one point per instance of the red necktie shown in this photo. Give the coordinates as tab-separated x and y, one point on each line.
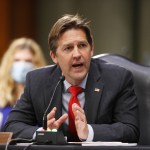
75	90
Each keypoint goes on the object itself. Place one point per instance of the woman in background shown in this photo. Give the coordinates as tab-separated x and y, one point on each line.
22	56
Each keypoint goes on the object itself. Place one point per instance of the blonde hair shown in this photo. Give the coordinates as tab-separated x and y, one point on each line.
7	84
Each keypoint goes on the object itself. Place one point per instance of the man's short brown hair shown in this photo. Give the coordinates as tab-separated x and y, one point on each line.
65	23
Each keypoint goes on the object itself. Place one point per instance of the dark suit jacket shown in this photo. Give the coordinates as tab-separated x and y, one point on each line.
111	110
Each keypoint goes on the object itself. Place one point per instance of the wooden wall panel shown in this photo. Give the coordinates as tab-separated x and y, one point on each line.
23	18
4	25
17	20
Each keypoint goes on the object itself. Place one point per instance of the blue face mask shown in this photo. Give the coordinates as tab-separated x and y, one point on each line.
20	69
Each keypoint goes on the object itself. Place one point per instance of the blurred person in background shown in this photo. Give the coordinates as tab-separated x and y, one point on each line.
22	56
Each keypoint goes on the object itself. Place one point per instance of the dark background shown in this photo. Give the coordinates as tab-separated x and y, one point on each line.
118	26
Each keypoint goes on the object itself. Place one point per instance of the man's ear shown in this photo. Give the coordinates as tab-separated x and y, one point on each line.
92	50
53	56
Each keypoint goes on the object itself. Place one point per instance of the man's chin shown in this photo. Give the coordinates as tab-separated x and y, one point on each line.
78	78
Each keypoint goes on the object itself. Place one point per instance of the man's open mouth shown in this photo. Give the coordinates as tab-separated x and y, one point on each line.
77	65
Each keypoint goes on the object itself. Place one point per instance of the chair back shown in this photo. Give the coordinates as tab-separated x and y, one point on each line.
141	76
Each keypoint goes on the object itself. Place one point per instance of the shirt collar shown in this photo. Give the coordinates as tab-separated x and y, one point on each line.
82	84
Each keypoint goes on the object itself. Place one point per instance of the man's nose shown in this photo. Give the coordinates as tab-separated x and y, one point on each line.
76	52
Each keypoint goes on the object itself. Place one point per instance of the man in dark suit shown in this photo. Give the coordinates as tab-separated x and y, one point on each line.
107	109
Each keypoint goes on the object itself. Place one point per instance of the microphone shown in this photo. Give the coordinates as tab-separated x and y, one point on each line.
43	137
62	78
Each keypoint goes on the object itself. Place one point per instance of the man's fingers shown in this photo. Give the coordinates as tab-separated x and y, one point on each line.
51	114
77	107
55	124
78	113
79	117
50	123
80	122
58	122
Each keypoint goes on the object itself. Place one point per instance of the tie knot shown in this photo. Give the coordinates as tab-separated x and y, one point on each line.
75	90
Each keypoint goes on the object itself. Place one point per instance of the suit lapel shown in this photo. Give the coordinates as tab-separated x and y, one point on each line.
93	92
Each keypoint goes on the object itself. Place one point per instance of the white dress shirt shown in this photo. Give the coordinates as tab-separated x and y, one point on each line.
81	97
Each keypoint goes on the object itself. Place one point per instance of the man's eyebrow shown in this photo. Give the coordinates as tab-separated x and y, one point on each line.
69	44
65	45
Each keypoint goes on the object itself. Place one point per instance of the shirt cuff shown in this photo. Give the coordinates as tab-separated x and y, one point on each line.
91	134
39	129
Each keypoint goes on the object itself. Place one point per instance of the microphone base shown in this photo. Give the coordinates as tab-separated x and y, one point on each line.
49	137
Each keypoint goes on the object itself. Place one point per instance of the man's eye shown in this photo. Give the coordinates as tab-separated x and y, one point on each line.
67	49
82	45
